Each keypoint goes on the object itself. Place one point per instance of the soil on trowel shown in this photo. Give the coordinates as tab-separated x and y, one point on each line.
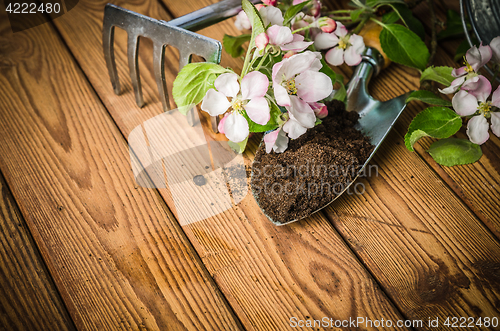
314	169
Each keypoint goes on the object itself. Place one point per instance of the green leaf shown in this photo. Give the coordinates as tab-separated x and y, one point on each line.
428	97
255	20
232	44
441	75
238	147
292	11
435	122
390	18
355	14
328	71
404	46
193	82
409	20
454	27
341	93
453	151
271	125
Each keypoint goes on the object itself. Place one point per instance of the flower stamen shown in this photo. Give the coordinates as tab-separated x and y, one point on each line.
237	105
485	109
468	67
290	86
343	44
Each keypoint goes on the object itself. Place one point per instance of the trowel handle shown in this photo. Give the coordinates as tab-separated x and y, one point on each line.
373	61
209	15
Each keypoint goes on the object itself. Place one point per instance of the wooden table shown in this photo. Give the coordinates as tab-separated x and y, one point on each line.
84	247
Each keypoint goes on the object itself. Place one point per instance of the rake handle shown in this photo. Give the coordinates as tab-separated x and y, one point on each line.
209	15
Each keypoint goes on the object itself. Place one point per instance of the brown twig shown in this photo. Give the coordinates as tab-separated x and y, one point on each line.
427	85
433	32
413	3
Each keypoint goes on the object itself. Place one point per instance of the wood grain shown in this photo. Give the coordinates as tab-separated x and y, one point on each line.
29	300
477	184
268	274
115	251
425	246
445	281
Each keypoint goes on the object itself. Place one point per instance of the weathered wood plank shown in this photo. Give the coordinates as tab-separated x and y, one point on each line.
426	248
478	184
115	251
29	300
268	274
390	228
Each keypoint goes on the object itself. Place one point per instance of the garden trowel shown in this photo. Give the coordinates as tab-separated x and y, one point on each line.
376	118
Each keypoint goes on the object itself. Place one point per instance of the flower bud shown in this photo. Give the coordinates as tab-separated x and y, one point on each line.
221	123
328	25
319	109
261	41
270	2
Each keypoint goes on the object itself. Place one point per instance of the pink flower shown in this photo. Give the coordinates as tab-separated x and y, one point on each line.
314	7
297	82
261	41
276	140
328	25
346	48
249	98
270	2
242	22
282	37
474	102
495	49
475	58
270	15
319	109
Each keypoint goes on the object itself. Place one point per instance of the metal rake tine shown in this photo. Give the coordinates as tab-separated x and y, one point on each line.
173	33
159	70
133	63
108	37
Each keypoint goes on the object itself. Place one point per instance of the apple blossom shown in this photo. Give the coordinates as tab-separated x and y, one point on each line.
276	140
474	59
474	102
314	7
282	37
270	2
346	47
298	82
328	25
495	49
261	41
269	14
248	97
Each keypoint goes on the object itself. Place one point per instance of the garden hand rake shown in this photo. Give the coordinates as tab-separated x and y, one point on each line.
173	33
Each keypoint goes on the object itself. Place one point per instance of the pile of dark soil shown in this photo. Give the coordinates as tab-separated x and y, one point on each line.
314	169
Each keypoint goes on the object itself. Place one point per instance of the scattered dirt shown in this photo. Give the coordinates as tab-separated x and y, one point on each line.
314	169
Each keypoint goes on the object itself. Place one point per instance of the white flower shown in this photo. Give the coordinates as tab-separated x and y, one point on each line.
297	82
475	58
270	15
474	102
276	140
346	48
282	37
248	97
